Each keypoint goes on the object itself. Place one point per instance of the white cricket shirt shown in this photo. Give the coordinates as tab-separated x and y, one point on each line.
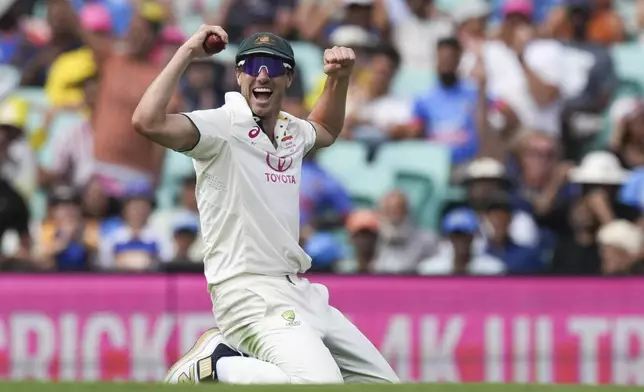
248	191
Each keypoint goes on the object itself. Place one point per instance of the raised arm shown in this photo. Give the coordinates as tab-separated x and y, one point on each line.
328	112
150	118
97	45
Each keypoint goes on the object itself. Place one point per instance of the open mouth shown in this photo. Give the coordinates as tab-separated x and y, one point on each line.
262	94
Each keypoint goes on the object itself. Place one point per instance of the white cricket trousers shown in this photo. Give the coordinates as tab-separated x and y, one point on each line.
287	321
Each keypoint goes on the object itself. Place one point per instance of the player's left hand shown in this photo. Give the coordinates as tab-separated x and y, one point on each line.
338	61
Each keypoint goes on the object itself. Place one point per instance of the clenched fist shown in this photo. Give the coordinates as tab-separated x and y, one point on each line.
195	44
338	61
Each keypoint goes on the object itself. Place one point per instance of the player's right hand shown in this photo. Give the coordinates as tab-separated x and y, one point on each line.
194	44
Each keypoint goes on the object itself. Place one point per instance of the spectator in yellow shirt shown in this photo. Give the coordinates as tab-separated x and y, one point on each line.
64	87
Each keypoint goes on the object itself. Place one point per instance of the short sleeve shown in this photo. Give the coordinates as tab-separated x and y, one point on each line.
213	126
419	112
545	58
308	132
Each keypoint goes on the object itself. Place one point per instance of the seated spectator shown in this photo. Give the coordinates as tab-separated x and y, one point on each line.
69	71
541	178
601	23
99	208
186	233
136	246
577	221
496	212
67	241
448	113
621	244
458	253
363	227
14	220
324	203
485	176
17	160
417	18
164	221
325	251
73	150
525	73
376	112
627	136
401	245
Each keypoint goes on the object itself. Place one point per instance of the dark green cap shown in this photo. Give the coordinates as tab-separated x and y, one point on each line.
266	43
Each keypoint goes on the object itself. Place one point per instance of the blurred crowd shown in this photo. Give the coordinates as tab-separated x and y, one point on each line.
538	105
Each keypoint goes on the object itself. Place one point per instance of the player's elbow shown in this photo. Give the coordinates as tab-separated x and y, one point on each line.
143	125
325	138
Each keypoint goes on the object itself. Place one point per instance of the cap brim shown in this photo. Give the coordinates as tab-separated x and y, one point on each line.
504	180
268	51
460	230
581	177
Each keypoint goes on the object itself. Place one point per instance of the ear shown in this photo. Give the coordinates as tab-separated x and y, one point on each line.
238	74
289	78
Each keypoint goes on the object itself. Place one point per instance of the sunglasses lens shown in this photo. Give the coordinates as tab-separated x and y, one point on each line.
273	67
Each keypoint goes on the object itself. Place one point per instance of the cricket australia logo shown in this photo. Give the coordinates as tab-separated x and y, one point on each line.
289	316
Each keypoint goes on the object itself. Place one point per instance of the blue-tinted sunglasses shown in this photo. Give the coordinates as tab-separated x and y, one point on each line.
274	67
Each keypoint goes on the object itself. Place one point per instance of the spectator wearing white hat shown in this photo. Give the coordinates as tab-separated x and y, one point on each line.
485	176
621	243
577	222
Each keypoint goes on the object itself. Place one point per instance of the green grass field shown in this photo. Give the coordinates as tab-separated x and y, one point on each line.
123	387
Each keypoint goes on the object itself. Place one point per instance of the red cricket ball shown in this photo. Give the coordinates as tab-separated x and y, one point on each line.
213	44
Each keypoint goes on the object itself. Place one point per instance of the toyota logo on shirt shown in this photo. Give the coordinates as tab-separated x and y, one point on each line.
278	164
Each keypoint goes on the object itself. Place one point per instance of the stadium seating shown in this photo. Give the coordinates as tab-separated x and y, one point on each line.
347	162
9	79
309	63
176	167
367	185
410	82
628	59
343	154
422	171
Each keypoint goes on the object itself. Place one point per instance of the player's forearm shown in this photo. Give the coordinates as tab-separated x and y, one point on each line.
329	110
153	107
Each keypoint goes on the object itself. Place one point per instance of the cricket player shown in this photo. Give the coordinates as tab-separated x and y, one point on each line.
248	157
